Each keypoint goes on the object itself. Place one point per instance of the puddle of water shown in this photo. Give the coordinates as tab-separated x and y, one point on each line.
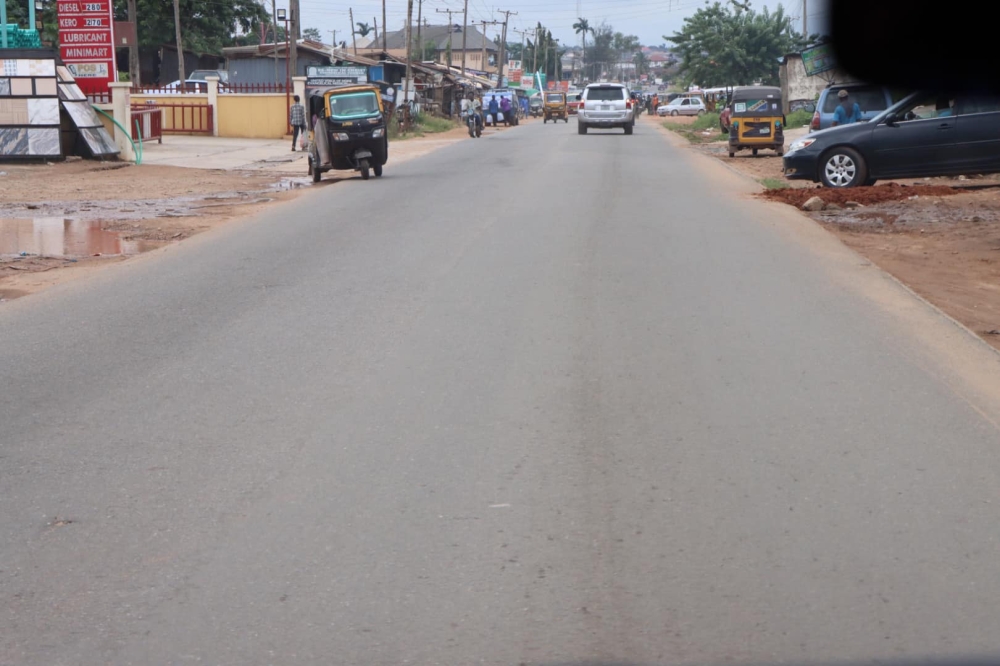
291	183
65	238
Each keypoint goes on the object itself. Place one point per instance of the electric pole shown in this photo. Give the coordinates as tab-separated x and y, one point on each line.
406	40
420	44
274	36
534	67
521	57
180	46
375	20
354	33
805	19
333	51
385	26
503	46
451	31
293	54
465	28
133	49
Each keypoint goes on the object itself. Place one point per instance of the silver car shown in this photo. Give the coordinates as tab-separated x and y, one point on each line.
682	106
605	105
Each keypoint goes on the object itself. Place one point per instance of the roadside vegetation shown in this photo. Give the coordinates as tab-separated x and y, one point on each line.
798	118
425	124
703	130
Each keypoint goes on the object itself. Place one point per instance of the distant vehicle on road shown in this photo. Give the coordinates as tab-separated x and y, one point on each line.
682	106
872	100
606	105
925	134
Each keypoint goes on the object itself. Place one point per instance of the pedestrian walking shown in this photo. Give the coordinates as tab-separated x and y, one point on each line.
297	119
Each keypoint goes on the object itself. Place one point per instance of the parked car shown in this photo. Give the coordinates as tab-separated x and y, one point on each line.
925	134
872	99
190	85
682	106
605	105
202	74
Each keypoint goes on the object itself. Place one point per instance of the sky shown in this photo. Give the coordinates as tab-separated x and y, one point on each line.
647	19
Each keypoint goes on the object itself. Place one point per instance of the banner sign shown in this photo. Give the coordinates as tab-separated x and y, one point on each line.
351	74
86	42
818	59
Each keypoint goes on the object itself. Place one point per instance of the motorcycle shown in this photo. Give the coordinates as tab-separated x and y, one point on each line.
474	124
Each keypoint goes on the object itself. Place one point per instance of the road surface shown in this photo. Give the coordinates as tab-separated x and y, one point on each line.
538	398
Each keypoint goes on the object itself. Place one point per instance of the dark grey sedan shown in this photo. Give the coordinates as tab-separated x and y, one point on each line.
924	134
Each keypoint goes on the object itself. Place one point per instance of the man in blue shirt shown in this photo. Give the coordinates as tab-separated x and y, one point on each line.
494	109
846	112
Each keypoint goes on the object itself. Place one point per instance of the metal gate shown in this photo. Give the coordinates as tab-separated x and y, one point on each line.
185	118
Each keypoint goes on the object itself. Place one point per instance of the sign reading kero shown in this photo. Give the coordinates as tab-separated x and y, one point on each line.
86	42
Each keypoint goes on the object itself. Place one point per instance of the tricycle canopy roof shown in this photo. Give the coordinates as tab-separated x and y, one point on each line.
757	92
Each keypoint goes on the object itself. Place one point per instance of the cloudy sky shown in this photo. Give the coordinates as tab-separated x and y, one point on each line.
649	19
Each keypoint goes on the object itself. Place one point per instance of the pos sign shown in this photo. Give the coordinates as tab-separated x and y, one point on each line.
87	44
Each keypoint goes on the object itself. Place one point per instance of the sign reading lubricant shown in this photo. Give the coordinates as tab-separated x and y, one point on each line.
86	42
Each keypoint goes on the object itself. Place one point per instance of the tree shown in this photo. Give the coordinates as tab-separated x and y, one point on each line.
582	27
206	27
641	63
312	34
363	29
734	45
602	51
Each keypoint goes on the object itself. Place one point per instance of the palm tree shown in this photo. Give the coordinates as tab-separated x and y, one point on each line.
363	29
582	27
641	63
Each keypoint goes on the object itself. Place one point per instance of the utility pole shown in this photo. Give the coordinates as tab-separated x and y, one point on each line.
503	46
465	29
133	49
805	19
484	49
522	33
451	31
293	54
534	67
180	46
333	51
420	44
385	26
354	33
375	20
274	36
406	40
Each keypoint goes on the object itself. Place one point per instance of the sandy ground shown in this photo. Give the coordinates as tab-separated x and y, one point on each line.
939	236
76	216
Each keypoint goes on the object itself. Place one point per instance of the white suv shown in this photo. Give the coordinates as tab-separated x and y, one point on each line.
605	105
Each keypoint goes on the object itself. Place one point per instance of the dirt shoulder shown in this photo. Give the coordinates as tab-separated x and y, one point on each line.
64	220
939	236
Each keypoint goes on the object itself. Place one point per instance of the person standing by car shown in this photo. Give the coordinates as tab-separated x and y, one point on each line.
297	119
493	110
505	110
847	112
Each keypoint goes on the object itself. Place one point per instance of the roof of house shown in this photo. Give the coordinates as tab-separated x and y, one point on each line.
439	35
309	46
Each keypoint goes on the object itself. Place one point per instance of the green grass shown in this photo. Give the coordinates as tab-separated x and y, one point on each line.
424	125
798	118
773	183
693	132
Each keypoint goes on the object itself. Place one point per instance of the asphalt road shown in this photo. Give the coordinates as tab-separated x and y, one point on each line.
533	399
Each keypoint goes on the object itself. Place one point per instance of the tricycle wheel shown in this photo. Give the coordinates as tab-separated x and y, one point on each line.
732	154
755	152
378	170
545	120
365	173
316	173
